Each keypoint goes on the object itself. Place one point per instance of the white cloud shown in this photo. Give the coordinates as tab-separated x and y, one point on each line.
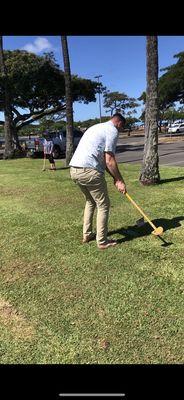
38	45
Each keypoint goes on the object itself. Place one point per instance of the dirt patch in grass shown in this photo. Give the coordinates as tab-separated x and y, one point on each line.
57	200
20	269
15	322
11	191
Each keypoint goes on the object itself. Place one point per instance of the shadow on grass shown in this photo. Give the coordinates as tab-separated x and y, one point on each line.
57	168
180	178
62	168
134	231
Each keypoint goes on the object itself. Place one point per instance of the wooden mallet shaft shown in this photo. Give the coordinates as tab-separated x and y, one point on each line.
157	231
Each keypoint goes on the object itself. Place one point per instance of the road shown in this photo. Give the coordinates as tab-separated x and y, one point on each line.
130	150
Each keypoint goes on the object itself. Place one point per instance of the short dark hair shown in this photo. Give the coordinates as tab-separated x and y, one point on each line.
120	116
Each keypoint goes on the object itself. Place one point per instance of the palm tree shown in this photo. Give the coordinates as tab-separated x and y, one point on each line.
150	168
9	151
69	102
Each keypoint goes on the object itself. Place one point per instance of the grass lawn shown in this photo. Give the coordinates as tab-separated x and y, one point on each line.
64	302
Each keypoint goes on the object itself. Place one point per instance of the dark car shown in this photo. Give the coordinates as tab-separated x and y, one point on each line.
59	141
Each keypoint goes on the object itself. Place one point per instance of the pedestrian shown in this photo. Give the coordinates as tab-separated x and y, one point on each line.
94	154
48	151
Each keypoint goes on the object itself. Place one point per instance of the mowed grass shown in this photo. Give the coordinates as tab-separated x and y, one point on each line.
63	302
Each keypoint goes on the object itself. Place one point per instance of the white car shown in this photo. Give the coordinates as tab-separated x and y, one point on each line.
176	128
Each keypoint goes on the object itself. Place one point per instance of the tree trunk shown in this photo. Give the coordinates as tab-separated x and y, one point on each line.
69	102
9	151
16	138
150	168
160	126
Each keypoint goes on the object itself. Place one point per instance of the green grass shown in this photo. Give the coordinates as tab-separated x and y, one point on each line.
64	302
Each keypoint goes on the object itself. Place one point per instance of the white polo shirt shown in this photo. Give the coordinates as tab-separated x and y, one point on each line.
95	141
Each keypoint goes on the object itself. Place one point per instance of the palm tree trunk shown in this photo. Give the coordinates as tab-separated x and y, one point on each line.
9	151
150	168
69	102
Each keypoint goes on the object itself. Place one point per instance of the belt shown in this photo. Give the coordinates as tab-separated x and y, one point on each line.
83	168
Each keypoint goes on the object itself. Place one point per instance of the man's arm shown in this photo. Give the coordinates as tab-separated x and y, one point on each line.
112	168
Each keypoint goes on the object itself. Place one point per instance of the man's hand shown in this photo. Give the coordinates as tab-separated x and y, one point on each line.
120	185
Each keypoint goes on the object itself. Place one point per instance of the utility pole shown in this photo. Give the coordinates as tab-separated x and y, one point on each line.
97	77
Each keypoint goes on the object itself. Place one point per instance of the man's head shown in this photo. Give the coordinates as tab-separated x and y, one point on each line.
118	121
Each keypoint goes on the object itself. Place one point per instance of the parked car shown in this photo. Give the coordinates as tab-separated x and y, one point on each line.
59	141
176	128
35	145
30	144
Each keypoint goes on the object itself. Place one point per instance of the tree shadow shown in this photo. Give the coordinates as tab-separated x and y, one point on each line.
62	168
126	147
179	178
133	232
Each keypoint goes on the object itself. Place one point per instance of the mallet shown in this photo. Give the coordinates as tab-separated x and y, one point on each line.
157	231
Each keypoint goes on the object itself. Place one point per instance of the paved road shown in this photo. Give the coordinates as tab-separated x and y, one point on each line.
130	150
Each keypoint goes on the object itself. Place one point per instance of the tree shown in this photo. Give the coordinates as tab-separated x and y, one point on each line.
52	122
171	84
69	101
90	122
118	102
9	151
37	88
150	168
130	122
161	111
170	88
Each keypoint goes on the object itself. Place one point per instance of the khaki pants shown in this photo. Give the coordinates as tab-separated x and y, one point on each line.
94	187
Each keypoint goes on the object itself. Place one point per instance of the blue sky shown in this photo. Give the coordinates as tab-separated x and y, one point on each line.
121	60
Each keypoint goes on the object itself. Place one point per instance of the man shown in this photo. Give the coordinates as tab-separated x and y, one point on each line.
95	153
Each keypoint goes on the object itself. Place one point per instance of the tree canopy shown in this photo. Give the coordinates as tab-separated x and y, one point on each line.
170	85
36	85
115	101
